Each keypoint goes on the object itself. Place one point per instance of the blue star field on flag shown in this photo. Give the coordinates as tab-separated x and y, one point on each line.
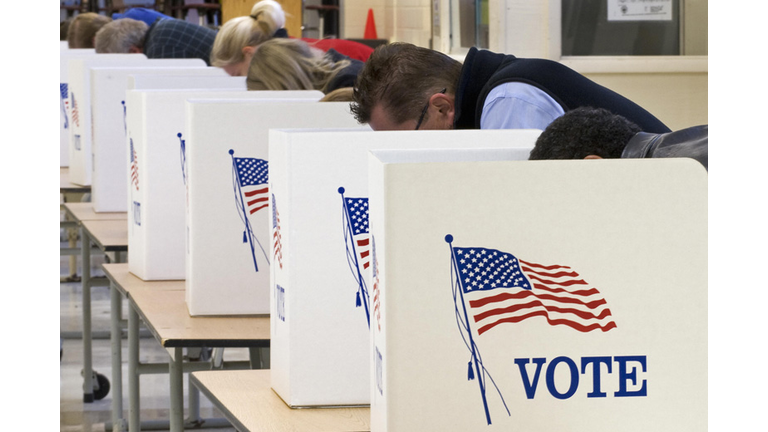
357	208
252	171
484	269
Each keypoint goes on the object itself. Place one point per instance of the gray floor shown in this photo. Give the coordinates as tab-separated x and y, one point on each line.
155	401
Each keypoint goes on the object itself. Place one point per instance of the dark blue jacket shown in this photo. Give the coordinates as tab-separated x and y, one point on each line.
345	77
173	38
484	70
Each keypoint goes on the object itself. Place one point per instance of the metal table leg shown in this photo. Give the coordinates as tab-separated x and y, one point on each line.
176	371
86	279
117	371
134	418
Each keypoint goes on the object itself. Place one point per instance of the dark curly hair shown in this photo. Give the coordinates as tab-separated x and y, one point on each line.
582	132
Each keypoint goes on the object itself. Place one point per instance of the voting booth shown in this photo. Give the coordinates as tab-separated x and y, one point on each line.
64	102
109	107
80	131
228	189
322	254
540	295
168	82
154	158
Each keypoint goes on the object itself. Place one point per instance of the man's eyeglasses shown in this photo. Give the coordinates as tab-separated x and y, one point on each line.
424	111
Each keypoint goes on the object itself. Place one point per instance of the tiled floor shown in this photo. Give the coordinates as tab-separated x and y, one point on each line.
155	400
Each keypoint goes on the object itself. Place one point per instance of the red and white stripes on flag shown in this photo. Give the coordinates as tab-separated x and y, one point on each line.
499	288
134	166
75	111
277	240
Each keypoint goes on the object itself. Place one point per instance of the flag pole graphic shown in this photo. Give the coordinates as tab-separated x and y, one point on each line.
362	292
184	158
125	118
472	346
248	234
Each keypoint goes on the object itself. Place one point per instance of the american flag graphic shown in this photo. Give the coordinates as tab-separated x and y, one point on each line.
75	111
134	166
250	177
357	243
500	288
276	237
64	91
253	175
357	213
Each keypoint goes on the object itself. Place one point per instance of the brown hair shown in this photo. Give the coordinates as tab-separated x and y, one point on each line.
401	77
82	30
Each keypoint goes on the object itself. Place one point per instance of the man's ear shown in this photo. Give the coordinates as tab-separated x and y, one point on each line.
592	157
445	107
134	50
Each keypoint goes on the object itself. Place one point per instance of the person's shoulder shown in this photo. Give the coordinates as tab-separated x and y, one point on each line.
167	27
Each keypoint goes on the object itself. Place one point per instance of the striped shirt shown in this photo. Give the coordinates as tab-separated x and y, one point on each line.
171	38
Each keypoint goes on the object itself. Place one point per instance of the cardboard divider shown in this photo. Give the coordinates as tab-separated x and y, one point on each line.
64	100
109	110
168	82
156	190
80	131
539	295
227	212
321	287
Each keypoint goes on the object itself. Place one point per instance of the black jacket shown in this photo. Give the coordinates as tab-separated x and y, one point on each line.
484	70
691	142
345	77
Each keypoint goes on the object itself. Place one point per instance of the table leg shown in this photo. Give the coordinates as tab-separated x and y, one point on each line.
259	358
117	371
176	372
86	279
194	406
133	371
72	238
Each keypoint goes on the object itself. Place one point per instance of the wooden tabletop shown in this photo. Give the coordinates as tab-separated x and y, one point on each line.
249	403
125	281
82	211
66	186
109	235
165	313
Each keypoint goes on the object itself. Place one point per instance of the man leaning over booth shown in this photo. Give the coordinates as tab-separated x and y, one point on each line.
165	38
404	87
591	133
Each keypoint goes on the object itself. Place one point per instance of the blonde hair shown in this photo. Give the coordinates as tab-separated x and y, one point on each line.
267	17
291	64
82	30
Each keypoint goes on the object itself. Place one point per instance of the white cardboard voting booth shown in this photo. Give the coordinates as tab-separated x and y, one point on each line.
156	190
64	102
109	108
215	81
542	295
227	215
80	131
321	290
